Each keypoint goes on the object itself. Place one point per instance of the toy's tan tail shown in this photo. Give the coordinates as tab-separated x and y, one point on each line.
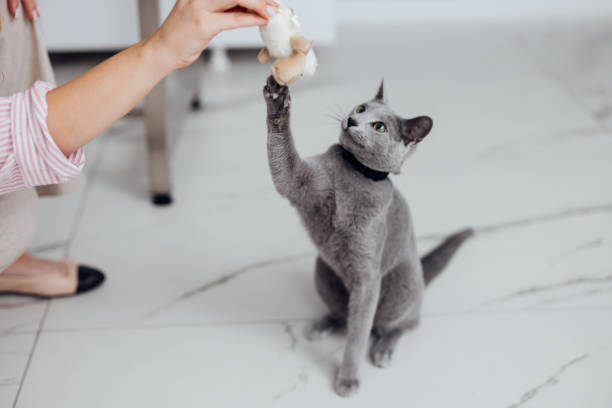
288	70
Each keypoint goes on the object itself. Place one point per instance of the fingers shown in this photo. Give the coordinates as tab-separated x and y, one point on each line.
232	20
30	9
258	6
12	7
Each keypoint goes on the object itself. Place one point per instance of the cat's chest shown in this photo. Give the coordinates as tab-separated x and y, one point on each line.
358	225
361	202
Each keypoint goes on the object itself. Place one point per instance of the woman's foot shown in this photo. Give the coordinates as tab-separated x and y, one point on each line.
44	278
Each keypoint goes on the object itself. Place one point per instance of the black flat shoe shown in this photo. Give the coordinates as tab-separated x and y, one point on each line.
88	279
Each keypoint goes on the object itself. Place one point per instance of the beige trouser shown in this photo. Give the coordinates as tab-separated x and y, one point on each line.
17	224
23	61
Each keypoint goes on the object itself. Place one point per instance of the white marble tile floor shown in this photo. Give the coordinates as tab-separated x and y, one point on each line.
206	301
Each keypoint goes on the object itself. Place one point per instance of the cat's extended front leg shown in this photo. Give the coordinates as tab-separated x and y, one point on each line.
289	172
363	300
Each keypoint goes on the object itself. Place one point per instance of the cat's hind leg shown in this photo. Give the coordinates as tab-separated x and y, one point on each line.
398	311
324	327
385	342
334	294
383	347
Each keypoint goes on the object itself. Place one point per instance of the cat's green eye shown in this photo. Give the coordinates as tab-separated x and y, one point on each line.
360	109
379	127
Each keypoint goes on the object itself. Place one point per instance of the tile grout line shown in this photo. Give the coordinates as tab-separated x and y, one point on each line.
276	321
30	357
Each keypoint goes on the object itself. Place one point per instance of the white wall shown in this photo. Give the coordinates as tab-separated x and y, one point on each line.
411	11
83	25
74	25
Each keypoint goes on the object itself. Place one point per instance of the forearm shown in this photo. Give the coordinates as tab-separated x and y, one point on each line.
85	107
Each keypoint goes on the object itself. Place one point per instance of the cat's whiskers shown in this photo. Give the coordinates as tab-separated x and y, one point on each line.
335	113
334	116
334	120
339	110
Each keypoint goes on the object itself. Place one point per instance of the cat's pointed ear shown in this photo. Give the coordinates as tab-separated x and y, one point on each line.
380	95
415	130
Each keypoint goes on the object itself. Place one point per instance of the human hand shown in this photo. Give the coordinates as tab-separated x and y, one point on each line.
29	6
192	24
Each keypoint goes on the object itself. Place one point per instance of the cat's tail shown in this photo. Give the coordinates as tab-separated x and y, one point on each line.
438	258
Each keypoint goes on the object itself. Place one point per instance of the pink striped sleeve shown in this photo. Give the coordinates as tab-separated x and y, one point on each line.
28	155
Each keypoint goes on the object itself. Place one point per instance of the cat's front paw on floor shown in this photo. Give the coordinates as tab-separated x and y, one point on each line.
347	387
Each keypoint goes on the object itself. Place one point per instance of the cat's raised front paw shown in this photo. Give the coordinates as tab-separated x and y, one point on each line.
347	387
277	97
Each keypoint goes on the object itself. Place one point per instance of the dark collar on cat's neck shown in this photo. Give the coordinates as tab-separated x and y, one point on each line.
362	168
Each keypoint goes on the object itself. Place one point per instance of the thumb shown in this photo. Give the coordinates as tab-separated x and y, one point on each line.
237	19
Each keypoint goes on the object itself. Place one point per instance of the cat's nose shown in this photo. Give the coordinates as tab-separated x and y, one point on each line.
351	122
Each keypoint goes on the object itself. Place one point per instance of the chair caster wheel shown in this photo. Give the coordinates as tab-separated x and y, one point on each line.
196	104
161	199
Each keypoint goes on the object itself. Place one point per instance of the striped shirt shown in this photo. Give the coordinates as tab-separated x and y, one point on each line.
28	155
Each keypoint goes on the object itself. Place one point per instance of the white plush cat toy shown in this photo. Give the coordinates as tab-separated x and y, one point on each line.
284	42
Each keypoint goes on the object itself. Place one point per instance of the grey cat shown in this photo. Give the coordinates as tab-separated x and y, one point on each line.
368	271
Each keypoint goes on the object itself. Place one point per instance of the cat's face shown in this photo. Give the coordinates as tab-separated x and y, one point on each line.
380	139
